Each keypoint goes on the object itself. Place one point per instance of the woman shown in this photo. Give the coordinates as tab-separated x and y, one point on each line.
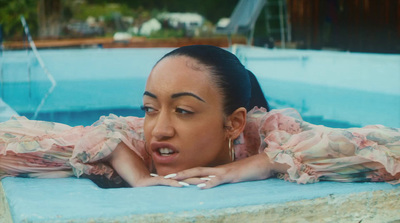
203	110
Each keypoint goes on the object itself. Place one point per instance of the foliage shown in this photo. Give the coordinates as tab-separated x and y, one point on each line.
109	11
168	33
10	17
81	11
211	9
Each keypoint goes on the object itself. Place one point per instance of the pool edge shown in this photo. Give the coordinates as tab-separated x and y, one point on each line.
5	215
365	206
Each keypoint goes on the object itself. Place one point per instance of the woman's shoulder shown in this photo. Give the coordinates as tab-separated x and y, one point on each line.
257	113
128	121
128	125
259	123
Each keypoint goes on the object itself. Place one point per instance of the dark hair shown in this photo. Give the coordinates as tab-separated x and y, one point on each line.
239	86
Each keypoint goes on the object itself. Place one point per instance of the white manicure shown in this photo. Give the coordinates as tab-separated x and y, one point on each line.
153	175
201	185
183	183
205	178
170	175
211	176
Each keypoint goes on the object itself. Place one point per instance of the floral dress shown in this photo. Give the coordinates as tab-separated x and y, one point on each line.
31	148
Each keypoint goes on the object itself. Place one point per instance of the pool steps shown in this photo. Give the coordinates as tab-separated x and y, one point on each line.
273	200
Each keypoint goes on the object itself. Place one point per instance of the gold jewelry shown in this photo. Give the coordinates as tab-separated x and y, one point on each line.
231	150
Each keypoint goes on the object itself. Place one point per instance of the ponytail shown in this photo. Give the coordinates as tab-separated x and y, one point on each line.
257	96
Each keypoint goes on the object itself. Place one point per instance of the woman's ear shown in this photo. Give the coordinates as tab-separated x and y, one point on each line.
236	122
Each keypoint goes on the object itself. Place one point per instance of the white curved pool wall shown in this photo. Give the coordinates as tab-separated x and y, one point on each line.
354	88
361	89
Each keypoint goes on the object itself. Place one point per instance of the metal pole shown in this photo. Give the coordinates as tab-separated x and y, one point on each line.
39	58
281	19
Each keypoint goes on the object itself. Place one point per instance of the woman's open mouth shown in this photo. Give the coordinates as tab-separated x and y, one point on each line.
163	153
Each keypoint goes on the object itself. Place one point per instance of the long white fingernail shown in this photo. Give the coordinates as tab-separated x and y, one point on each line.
170	175
205	178
183	183
201	185
211	176
154	175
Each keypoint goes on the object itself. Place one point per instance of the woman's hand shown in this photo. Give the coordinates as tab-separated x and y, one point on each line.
256	167
133	170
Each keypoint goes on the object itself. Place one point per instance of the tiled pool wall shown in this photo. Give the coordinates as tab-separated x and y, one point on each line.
337	89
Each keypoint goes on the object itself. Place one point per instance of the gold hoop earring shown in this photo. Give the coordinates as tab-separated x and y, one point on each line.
231	150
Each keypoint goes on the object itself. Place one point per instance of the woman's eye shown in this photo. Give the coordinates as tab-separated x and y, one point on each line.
183	111
147	109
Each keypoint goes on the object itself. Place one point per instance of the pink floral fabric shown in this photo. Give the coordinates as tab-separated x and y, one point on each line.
316	152
44	149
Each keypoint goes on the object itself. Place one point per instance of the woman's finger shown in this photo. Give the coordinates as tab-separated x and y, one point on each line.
160	181
212	182
197	172
195	180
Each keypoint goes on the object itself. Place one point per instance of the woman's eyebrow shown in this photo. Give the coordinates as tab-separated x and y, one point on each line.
149	94
180	94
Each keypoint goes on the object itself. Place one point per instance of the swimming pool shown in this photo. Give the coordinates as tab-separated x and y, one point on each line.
337	89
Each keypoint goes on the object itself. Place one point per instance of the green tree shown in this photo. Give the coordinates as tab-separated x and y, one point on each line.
211	9
49	17
10	14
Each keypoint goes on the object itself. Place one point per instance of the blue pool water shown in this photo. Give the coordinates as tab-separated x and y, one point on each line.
336	89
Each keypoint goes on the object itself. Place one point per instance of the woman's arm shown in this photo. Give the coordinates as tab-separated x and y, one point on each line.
133	170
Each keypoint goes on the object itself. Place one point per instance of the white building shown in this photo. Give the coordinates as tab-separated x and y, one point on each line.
189	21
150	26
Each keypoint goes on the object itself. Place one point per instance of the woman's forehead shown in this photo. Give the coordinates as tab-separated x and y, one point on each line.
181	74
183	61
180	71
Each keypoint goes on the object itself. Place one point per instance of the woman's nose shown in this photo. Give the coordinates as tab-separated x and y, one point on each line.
163	127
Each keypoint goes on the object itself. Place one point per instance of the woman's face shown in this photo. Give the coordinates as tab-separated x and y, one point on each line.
184	121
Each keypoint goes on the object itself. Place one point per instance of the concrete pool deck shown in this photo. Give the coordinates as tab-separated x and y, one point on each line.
272	200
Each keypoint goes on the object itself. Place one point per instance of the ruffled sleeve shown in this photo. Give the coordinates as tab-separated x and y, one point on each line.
30	148
101	139
315	152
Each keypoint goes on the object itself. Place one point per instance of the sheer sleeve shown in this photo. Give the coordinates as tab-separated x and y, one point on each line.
316	152
100	140
30	148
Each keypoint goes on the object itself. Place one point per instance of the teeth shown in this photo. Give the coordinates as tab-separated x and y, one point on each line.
165	151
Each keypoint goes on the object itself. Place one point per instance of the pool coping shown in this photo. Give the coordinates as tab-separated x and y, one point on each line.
369	206
360	207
